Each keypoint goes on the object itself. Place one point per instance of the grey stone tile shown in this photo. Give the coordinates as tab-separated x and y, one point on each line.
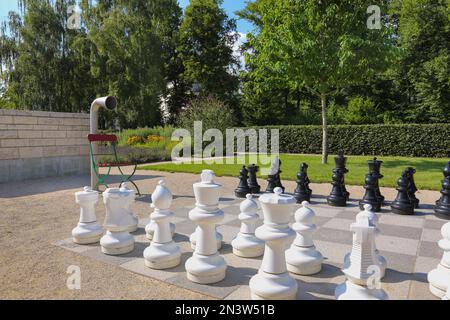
430	249
400	231
425	265
397	245
181	212
231	210
333	252
68	244
399	220
338	224
399	262
242	293
434	224
332	235
431	235
187	227
350	215
228	232
320	221
420	291
97	254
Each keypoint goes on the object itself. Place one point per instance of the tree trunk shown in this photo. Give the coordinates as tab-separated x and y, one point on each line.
323	100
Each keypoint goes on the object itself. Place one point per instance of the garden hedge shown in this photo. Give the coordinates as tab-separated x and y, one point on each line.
411	140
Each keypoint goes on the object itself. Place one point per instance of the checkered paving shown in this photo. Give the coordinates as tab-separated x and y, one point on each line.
409	243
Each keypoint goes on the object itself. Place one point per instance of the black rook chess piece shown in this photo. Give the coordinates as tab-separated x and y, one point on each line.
243	189
402	203
442	208
370	196
412	187
340	161
375	169
252	180
337	197
302	192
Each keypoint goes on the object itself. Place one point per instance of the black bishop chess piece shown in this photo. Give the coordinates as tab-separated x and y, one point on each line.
402	203
302	191
412	187
442	208
370	196
252	180
243	189
375	169
340	161
337	197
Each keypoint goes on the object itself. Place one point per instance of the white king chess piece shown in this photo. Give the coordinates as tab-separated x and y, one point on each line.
117	239
131	198
87	231
162	253
439	278
273	282
246	244
303	257
361	267
193	238
206	265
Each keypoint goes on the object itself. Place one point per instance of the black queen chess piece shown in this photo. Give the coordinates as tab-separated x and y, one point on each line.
340	161
370	196
402	203
302	191
337	197
252	180
442	208
243	189
412	187
375	169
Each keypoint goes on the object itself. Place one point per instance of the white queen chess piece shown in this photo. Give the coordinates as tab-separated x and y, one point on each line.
302	257
162	253
246	244
206	265
361	267
439	278
273	282
131	198
117	239
87	231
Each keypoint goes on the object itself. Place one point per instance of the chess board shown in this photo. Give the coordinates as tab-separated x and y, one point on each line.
409	243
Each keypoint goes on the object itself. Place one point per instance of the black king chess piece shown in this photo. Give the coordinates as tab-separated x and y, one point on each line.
370	196
442	208
302	192
337	197
375	169
252	180
340	161
412	187
243	189
402	203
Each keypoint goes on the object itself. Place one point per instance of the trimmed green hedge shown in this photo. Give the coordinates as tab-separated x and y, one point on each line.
410	140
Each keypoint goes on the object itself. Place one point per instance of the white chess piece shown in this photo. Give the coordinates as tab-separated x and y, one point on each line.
361	268
273	281
303	257
151	226
246	244
206	265
439	278
87	231
117	239
131	198
447	294
162	253
193	238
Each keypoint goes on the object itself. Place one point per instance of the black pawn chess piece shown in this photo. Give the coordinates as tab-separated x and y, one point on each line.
340	161
304	168
442	208
375	169
243	189
337	197
402	203
370	196
412	187
278	177
252	180
302	192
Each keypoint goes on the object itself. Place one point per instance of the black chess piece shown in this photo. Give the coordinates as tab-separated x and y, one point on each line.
370	196
302	192
337	197
304	168
252	180
278	177
375	169
243	189
402	203
340	161
412	187
271	183
442	208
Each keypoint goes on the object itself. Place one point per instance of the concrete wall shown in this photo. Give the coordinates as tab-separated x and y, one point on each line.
35	144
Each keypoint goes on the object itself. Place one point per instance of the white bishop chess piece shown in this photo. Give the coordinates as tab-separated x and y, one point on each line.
302	257
246	244
117	239
87	231
131	198
162	253
439	278
206	265
273	281
361	267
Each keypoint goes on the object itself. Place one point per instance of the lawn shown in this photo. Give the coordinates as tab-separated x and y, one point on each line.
428	176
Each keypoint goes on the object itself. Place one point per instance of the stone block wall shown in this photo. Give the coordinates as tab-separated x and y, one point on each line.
35	144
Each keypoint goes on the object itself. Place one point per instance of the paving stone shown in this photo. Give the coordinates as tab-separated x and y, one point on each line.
430	249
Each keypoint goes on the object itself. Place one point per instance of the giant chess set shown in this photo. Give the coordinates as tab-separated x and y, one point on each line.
273	245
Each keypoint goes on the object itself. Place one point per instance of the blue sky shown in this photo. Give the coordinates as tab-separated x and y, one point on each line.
230	6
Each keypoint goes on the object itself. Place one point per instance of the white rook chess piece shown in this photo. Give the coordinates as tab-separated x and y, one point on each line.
193	238
302	257
273	282
87	231
246	244
117	239
162	253
439	278
361	267
206	265
131	198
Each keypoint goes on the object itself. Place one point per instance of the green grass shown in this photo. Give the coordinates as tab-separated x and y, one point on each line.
428	176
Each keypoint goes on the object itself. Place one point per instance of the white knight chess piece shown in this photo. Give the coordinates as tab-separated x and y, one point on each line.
439	278
87	231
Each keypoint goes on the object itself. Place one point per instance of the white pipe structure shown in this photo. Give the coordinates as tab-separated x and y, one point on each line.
105	102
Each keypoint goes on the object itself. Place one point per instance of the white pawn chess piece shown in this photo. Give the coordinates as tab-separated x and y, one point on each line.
193	238
206	265
117	239
439	278
273	281
87	231
162	253
246	244
361	268
131	198
303	257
